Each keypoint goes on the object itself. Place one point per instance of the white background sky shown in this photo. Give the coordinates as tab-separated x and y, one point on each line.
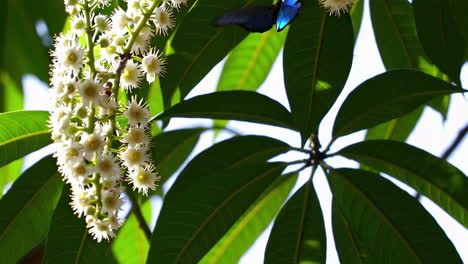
431	134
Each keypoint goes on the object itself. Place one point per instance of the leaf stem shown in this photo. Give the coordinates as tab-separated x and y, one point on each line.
89	37
461	135
140	26
139	216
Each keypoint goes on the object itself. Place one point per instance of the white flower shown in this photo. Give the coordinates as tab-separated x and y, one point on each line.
92	143
102	23
137	112
131	76
100	229
142	40
144	178
69	57
69	152
163	19
63	88
107	165
89	91
119	21
134	156
178	3
153	65
134	8
137	135
81	199
111	202
76	173
78	24
336	6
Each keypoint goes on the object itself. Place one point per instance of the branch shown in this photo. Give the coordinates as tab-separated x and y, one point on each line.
139	216
455	143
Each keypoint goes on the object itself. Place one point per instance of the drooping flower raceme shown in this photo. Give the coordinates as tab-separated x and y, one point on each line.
98	58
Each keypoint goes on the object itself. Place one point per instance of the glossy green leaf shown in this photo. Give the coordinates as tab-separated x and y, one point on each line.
397	129
27	209
191	222
24	51
458	9
131	245
356	12
211	169
298	235
21	133
248	64
385	223
199	45
317	59
69	241
252	223
233	105
387	96
171	149
439	36
429	175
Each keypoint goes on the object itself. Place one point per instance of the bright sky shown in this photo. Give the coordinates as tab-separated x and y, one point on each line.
431	134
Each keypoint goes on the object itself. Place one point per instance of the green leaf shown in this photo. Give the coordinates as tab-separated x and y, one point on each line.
233	105
248	64
429	175
298	235
439	36
231	175
131	245
171	149
27	209
397	129
458	9
68	240
317	59
185	235
385	223
252	223
356	13
387	96
198	51
21	133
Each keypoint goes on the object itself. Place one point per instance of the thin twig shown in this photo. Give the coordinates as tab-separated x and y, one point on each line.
455	143
139	216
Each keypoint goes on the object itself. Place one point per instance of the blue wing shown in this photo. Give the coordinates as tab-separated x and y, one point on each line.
254	19
287	13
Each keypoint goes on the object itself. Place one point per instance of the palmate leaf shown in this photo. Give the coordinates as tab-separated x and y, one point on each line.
249	63
22	132
431	176
252	223
458	8
199	45
68	240
439	36
376	222
316	61
298	235
387	96
233	105
27	209
210	194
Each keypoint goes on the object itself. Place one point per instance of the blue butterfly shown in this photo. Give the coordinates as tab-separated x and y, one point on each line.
262	18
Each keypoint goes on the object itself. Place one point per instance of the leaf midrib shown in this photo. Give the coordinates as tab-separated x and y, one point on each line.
383	216
220	207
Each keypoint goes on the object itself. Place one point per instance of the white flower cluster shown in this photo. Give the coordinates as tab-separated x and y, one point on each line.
97	57
336	6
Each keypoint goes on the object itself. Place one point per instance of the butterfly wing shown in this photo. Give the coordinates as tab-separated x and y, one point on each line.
253	19
287	13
